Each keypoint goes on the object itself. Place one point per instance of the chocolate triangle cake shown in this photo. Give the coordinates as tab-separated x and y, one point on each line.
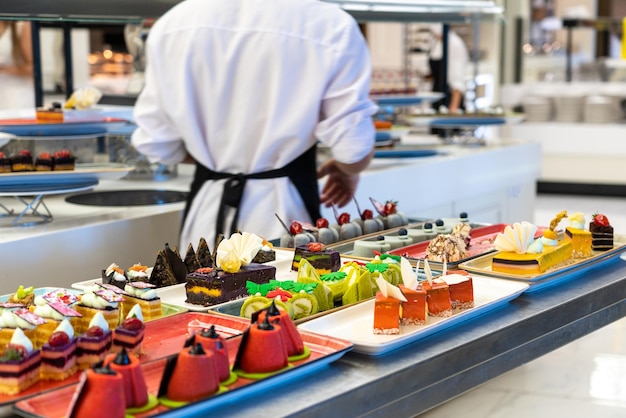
205	258
191	260
169	268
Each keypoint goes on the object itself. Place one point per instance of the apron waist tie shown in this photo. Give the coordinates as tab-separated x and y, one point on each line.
301	171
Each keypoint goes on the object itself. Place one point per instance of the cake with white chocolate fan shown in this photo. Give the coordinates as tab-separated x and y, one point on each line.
227	280
520	253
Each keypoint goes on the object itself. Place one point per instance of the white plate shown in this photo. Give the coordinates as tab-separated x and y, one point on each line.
356	323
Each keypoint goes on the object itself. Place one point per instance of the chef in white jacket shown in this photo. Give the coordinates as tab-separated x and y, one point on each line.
246	88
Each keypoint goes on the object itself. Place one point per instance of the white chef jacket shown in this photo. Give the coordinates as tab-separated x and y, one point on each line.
247	86
17	91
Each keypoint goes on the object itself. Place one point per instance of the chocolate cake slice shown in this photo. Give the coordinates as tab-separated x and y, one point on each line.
209	286
205	258
191	260
169	268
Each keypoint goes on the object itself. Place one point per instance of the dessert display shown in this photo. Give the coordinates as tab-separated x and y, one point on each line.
299	300
54	307
5	163
135	389
367	222
64	160
44	162
94	344
58	355
16	317
98	300
322	259
19	364
519	252
601	233
227	281
138	273
129	334
261	350
189	376
579	236
77	108
387	308
212	342
24	296
169	269
388	213
449	247
414	310
98	387
142	294
291	336
461	289
23	161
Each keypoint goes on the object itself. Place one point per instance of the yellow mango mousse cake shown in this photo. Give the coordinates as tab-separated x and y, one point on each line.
520	253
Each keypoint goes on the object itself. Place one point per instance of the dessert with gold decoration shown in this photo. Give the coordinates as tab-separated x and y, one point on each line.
520	253
227	281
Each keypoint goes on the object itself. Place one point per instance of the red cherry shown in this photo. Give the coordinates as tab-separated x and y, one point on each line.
367	214
344	218
95	331
132	324
321	223
59	339
2	155
24	152
295	228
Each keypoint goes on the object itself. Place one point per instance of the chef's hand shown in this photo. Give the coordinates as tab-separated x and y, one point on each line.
340	186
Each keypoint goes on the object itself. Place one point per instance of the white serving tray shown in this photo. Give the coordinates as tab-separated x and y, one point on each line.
356	323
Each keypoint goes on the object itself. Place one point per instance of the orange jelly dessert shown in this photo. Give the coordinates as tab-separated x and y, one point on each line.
386	315
414	310
438	298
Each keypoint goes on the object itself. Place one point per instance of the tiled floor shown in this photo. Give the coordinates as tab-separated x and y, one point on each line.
586	378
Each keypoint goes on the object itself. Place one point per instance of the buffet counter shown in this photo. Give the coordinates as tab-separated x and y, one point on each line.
431	371
494	183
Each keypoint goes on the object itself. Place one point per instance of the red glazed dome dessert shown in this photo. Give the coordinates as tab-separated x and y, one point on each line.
190	376
135	389
100	396
291	335
262	349
212	342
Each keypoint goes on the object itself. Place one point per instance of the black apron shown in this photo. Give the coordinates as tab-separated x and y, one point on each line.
436	66
302	172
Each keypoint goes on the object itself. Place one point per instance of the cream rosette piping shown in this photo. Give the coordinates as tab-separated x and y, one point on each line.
237	251
516	238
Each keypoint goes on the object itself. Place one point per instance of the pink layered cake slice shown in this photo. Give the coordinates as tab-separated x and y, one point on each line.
19	365
129	334
58	355
94	345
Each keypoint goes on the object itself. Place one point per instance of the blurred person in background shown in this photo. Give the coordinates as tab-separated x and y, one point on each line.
16	66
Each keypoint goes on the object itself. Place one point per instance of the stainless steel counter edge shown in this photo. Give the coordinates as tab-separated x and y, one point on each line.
422	375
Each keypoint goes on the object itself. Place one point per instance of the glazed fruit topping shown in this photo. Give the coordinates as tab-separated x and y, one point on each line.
321	223
601	220
295	228
132	324
204	270
59	339
24	152
13	352
95	331
343	218
367	214
45	156
2	155
63	154
315	247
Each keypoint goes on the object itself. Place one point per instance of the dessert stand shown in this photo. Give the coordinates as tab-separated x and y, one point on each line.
33	200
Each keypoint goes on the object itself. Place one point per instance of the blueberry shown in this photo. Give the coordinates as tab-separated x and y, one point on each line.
402	231
439	222
380	238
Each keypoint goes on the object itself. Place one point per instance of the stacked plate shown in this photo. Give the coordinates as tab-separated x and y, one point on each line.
569	108
599	109
537	108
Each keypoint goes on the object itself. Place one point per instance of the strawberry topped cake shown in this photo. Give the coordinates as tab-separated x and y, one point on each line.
129	334
94	344
19	365
58	355
601	233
